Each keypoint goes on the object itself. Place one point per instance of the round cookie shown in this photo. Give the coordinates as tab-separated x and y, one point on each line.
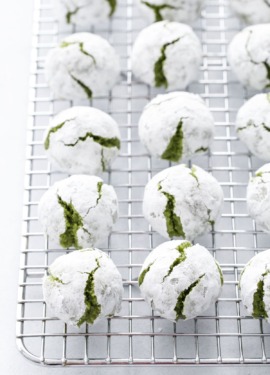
253	125
175	126
180	280
173	10
252	11
258	198
249	56
83	65
82	140
167	54
182	202
78	211
83	287
255	286
84	13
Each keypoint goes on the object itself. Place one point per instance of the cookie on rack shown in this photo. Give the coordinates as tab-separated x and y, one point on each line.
78	211
82	66
83	287
249	56
252	11
253	125
182	202
167	54
180	280
84	13
82	140
185	11
255	286
258	198
176	126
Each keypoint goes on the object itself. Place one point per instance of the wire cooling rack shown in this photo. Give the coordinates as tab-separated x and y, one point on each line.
223	335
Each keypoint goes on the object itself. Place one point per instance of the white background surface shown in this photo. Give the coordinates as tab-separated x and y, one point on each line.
15	42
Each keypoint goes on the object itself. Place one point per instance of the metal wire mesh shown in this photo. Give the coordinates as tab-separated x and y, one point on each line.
137	336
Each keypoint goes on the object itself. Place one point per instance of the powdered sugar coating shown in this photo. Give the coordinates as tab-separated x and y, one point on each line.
85	58
76	146
253	125
198	200
252	11
257	269
161	290
95	203
249	56
160	120
82	13
258	197
173	10
183	54
64	286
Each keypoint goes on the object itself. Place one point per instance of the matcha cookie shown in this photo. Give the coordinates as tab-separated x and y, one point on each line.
84	13
82	66
180	280
82	140
175	126
249	56
82	287
173	10
258	198
252	11
78	211
182	202
253	125
167	54
255	286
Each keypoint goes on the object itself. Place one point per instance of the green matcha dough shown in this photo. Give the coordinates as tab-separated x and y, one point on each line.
182	202
79	211
176	126
180	280
255	286
82	140
83	13
83	287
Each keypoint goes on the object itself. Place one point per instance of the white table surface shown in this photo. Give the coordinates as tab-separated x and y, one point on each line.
15	42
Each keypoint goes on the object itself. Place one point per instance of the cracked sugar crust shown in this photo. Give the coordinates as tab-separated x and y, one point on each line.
84	13
255	286
253	125
64	287
81	66
162	117
252	11
167	54
177	286
249	56
79	211
182	200
185	11
82	140
258	197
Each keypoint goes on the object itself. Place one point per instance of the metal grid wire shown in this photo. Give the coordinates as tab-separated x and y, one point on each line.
223	335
